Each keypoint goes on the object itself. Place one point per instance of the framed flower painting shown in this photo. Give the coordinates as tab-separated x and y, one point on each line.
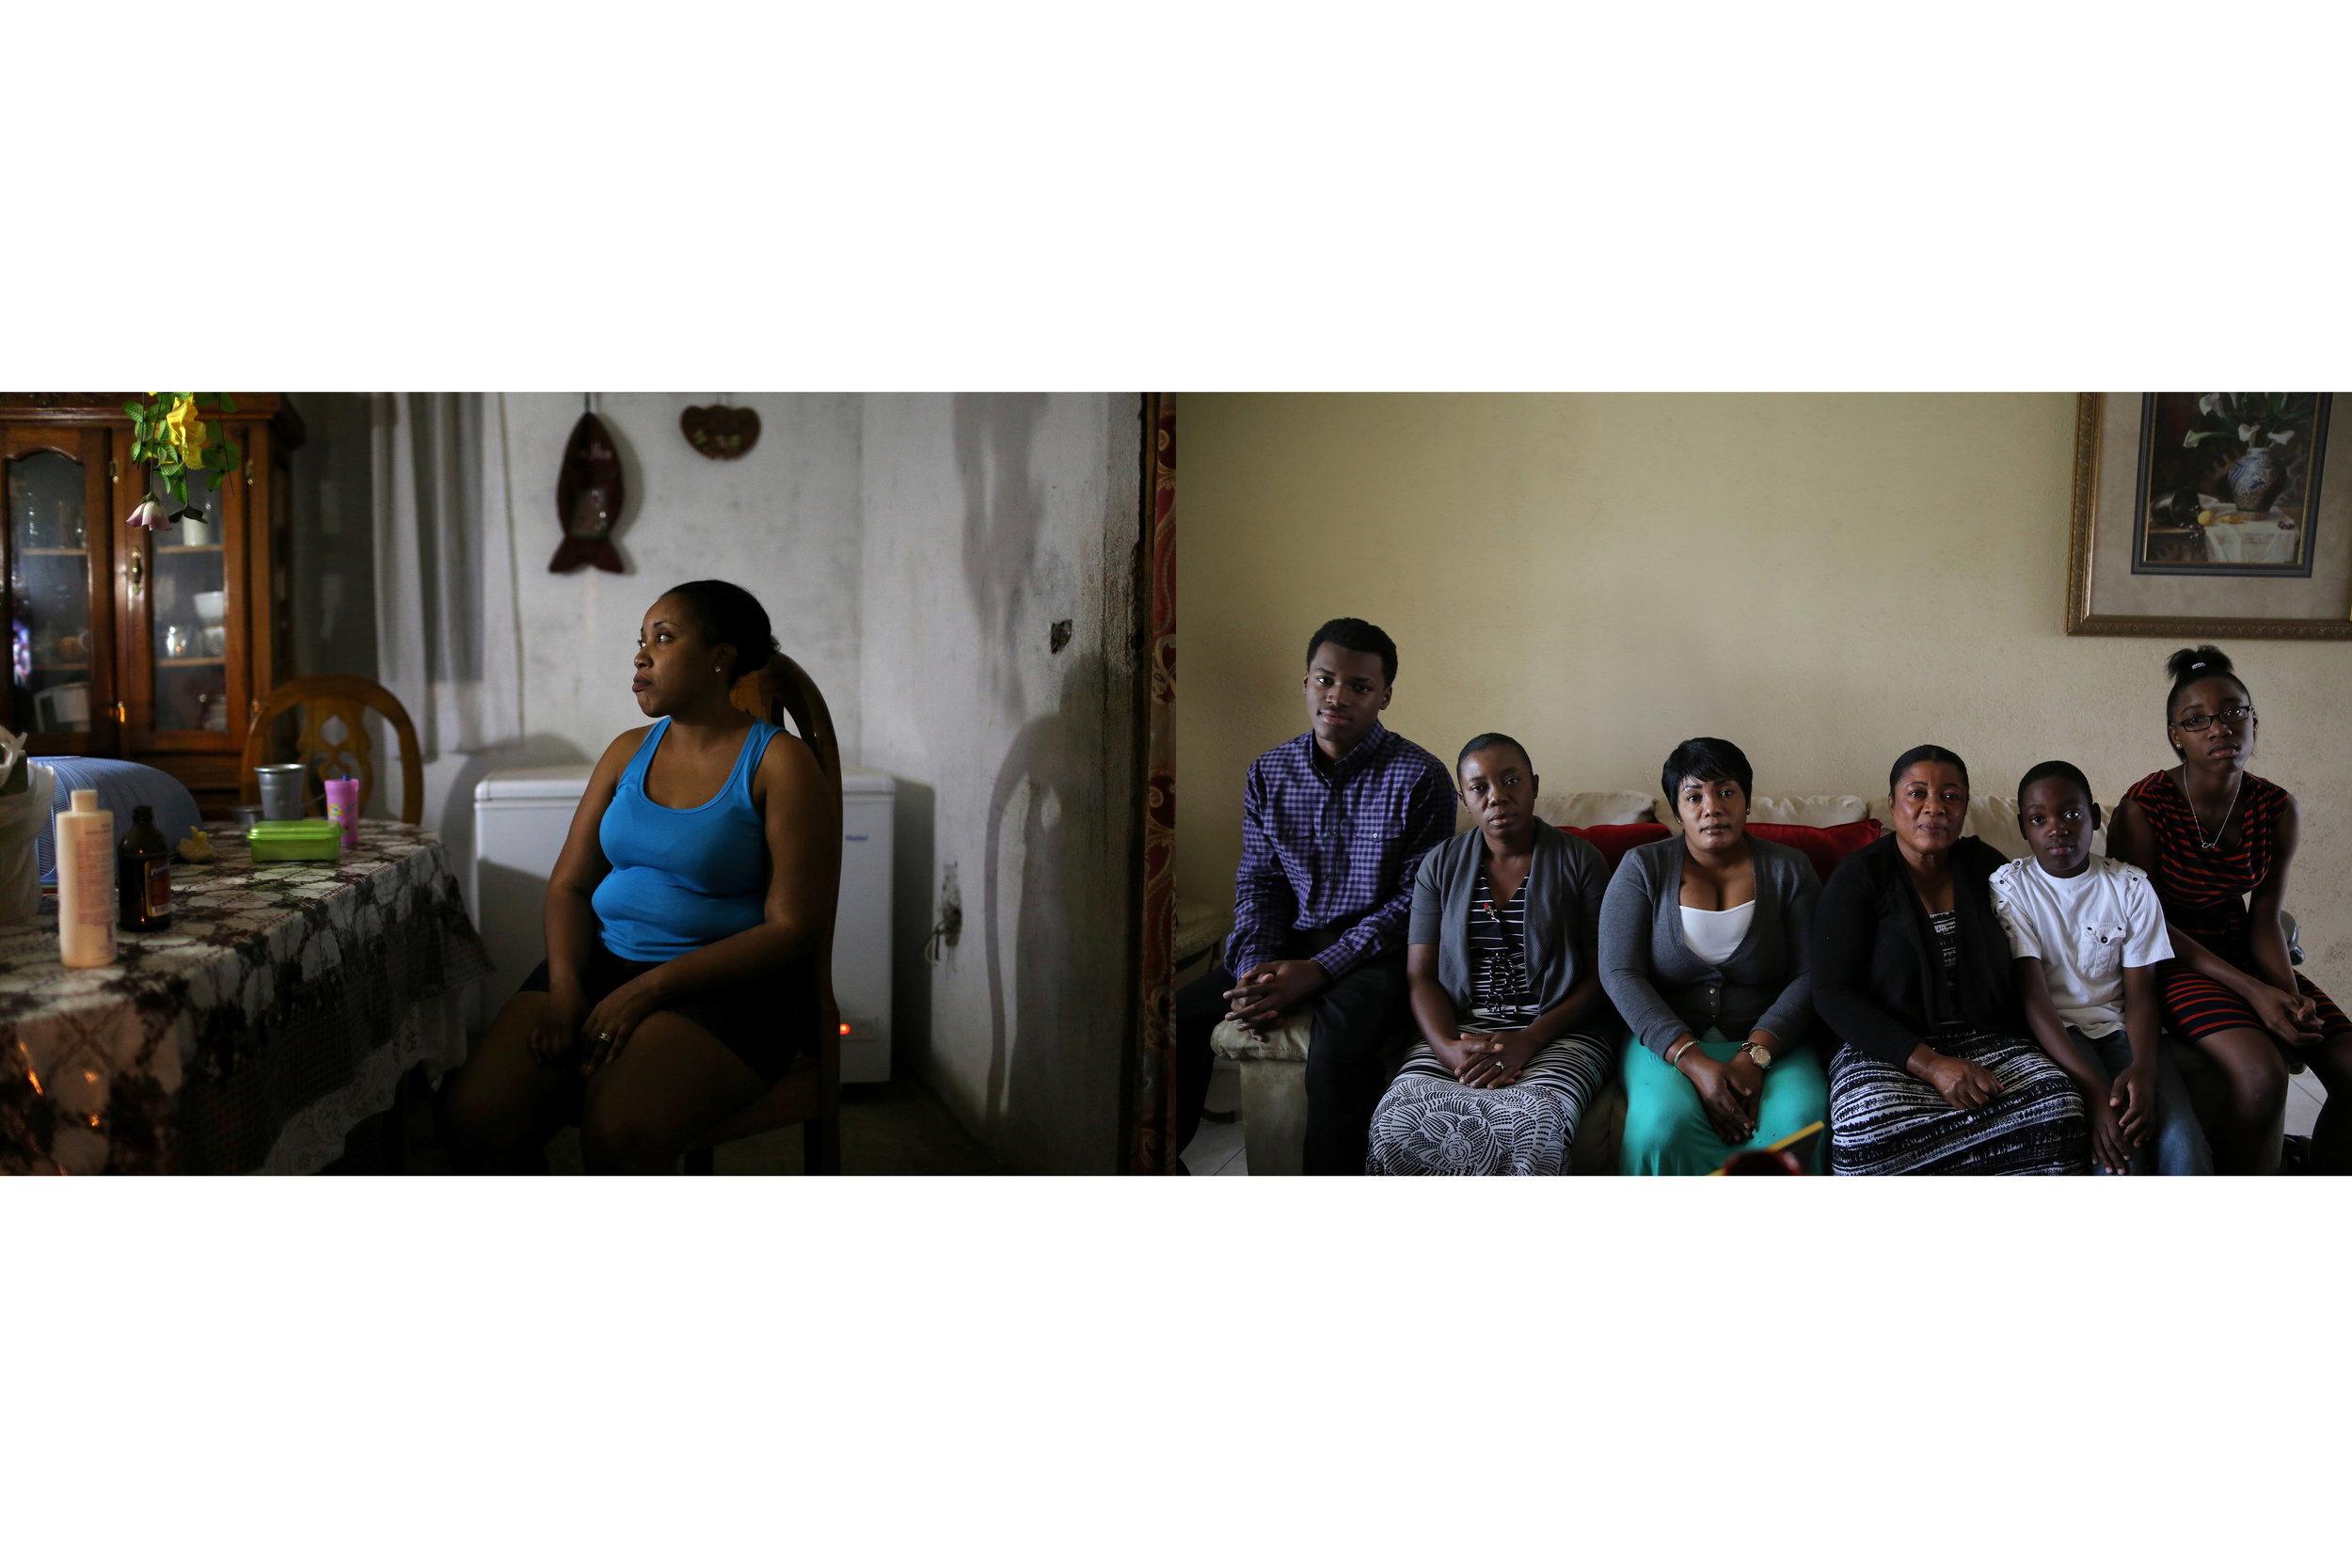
2210	515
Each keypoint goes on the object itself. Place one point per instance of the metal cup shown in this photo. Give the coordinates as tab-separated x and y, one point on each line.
281	791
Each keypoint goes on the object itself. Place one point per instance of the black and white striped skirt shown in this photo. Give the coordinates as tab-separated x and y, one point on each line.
1430	1124
1883	1121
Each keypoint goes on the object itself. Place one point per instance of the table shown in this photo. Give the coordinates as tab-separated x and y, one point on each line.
280	1009
2257	541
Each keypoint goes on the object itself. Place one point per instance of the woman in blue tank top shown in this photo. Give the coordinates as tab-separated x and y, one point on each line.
682	920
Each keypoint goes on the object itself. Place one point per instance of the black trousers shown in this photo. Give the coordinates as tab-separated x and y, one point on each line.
1350	1051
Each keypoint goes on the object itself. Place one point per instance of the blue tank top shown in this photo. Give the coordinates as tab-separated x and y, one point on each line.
682	879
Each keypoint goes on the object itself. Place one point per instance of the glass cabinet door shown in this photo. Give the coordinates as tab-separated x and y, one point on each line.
49	592
188	591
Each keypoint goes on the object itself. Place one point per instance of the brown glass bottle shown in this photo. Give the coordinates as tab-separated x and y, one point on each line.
143	874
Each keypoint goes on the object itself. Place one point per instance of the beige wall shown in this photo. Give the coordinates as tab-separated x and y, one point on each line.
1825	581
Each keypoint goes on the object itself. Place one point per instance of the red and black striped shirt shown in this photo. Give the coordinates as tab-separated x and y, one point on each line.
2203	891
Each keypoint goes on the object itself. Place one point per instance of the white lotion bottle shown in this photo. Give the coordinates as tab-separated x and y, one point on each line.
85	883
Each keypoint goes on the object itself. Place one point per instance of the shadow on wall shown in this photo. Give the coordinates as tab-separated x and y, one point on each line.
1049	803
1004	516
912	914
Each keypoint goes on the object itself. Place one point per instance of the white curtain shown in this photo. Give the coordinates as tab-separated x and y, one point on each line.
447	639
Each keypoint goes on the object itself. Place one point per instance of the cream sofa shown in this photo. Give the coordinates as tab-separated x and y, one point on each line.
1274	1070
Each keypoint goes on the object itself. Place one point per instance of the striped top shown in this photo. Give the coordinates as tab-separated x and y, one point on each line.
2203	891
1946	923
1946	927
1498	955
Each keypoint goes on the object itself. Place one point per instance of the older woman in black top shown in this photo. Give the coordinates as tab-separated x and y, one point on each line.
1911	969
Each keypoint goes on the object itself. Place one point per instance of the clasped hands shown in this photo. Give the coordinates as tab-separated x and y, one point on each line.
1963	1085
1260	998
1487	1059
2287	1015
1483	1061
2122	1119
1728	1091
601	1031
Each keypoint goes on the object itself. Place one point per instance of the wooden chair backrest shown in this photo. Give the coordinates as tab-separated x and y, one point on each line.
782	690
346	698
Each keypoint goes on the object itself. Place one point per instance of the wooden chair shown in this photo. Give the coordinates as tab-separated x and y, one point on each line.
347	699
811	1093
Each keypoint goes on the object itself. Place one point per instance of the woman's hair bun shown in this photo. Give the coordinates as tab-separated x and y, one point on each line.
733	615
2203	662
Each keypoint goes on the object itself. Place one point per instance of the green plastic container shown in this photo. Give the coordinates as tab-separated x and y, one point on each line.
313	839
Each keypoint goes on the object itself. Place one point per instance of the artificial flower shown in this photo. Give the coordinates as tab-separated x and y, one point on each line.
187	433
149	515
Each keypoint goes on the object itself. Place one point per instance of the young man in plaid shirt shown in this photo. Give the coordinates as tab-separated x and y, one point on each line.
1333	823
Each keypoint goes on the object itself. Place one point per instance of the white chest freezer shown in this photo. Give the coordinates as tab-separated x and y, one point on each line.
522	815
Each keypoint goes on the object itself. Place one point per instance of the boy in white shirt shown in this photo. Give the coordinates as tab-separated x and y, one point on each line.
2088	933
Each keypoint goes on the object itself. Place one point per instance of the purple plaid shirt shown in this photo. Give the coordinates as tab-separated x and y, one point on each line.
1337	849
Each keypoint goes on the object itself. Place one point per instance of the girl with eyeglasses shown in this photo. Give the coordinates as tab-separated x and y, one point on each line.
2219	842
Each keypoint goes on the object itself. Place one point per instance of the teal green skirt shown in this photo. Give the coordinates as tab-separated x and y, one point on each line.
1667	1129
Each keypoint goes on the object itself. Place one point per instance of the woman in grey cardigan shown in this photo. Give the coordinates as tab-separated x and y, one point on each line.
1706	941
1500	961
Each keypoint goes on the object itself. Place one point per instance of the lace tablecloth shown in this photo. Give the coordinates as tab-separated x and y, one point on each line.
280	1009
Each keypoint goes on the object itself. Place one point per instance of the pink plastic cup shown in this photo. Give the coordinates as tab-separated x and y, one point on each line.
343	809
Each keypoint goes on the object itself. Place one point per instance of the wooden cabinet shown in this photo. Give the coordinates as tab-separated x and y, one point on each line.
157	648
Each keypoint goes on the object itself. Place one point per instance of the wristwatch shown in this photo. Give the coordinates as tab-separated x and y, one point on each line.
1762	1054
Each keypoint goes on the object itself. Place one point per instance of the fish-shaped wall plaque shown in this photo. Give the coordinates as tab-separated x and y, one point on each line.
588	497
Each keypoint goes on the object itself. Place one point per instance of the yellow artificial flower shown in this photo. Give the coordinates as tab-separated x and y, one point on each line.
187	433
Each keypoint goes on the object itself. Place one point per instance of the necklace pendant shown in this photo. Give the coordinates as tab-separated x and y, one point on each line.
2222	832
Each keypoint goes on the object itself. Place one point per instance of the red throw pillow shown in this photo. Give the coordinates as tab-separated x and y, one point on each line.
1613	839
1823	846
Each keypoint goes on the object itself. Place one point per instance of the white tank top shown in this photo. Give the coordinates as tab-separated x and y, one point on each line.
1715	935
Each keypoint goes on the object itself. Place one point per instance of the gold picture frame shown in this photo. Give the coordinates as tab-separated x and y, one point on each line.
2107	597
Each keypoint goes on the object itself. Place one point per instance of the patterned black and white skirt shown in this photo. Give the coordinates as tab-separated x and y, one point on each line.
1883	1121
1430	1124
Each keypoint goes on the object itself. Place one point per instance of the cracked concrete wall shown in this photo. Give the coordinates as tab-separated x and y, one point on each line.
988	519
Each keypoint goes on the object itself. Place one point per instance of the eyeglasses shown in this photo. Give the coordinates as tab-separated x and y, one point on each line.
2233	716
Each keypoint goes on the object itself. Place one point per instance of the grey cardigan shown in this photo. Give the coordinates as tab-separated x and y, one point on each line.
1662	988
1566	879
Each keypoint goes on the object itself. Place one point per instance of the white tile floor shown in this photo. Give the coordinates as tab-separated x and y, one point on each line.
1216	1149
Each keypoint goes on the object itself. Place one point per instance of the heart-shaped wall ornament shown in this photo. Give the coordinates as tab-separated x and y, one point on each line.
720	432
